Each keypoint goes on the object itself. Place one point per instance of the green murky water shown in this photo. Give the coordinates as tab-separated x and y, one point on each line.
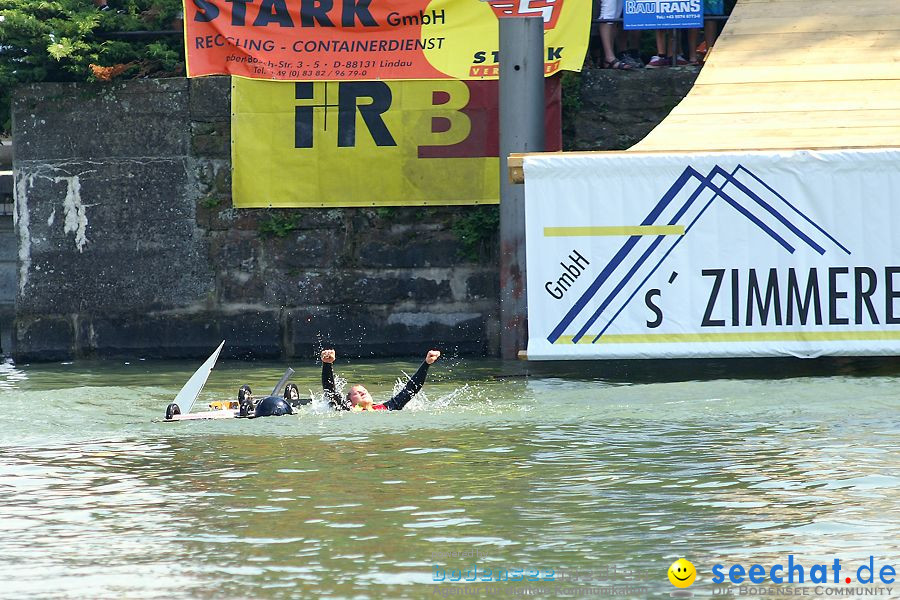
612	478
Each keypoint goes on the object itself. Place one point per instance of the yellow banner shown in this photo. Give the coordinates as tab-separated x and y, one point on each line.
369	143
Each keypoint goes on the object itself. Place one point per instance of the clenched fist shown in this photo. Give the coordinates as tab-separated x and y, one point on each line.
328	356
432	356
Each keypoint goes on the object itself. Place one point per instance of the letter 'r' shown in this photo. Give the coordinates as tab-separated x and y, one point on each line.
349	92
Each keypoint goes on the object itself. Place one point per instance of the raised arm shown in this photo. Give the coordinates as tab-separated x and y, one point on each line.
331	394
415	384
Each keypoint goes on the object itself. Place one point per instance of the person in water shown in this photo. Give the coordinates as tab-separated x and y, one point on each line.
359	398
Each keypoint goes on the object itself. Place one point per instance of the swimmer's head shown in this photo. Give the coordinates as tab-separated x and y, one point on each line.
291	392
359	396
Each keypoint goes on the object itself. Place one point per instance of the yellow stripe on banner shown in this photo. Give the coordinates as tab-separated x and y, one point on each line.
759	336
608	231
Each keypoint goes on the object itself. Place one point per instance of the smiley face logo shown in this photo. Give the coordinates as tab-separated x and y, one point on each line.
682	573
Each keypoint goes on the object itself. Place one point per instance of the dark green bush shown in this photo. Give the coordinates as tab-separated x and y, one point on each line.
478	229
279	224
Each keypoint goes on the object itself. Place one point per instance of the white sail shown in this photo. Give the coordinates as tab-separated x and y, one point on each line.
188	394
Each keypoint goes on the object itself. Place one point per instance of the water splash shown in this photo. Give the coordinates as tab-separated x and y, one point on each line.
10	376
319	403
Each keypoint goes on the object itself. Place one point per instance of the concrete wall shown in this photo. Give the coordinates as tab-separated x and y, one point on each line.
128	244
8	252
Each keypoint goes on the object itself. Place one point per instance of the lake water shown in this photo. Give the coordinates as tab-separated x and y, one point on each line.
601	478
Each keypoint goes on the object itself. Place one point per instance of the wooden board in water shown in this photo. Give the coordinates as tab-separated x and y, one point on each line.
209	414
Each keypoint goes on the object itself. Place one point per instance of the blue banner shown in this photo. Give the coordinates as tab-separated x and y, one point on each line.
663	14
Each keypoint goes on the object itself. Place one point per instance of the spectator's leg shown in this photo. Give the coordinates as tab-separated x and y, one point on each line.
710	32
659	59
692	36
611	10
634	45
620	43
710	26
624	40
607	35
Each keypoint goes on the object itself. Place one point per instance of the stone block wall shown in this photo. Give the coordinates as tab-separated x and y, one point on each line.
128	244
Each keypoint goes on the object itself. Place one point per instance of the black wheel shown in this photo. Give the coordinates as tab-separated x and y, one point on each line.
171	411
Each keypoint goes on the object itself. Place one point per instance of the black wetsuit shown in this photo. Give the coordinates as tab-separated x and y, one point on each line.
400	400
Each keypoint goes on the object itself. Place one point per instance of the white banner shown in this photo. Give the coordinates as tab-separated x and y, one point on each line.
738	254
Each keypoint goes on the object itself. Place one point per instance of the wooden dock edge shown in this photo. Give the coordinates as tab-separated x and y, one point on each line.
515	166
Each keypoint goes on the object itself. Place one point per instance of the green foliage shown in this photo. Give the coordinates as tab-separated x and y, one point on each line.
211	201
571	104
279	225
60	40
169	59
476	228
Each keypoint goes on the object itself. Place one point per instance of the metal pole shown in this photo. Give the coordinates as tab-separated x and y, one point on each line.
521	130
